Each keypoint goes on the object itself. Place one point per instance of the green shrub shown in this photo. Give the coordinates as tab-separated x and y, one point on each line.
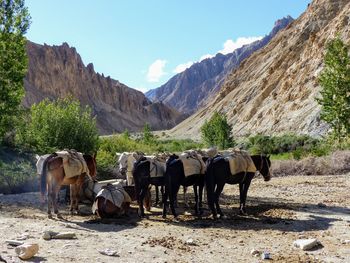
58	125
17	177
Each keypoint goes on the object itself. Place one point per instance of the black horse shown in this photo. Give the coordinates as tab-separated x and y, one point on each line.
218	174
174	178
143	180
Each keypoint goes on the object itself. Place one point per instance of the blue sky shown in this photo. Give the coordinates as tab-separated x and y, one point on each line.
143	43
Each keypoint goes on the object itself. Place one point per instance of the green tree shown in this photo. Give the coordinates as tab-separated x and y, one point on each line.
335	83
147	136
14	23
217	131
62	124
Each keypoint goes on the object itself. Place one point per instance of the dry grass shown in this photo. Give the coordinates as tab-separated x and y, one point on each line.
336	163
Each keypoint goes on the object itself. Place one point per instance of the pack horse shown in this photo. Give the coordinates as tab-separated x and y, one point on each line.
66	167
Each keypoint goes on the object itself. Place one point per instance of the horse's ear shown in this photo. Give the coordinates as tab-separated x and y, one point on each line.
268	156
95	155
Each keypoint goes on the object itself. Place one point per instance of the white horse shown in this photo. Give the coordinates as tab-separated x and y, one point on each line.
126	164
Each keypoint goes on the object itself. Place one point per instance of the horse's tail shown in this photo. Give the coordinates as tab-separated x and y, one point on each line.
43	176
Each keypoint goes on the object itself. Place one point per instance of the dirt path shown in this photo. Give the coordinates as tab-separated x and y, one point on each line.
281	211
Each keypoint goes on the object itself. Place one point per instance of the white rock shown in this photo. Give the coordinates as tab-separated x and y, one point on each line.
27	251
255	252
190	242
109	252
346	241
306	244
265	255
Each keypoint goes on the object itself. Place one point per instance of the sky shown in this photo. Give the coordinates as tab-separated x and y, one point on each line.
143	43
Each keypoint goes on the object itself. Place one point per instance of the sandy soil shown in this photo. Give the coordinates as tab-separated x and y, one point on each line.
281	211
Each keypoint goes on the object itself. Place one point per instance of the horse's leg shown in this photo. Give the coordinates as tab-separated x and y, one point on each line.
174	189
56	191
196	206
218	191
185	196
201	187
210	185
49	199
165	201
243	195
157	195
147	200
72	198
140	200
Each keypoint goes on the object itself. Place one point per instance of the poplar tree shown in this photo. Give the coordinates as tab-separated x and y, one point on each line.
14	23
335	94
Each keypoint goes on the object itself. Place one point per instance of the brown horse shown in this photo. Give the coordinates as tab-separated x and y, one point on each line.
53	177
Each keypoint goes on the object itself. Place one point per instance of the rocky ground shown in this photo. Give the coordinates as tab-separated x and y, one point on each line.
280	211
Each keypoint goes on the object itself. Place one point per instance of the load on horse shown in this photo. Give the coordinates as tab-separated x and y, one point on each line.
109	198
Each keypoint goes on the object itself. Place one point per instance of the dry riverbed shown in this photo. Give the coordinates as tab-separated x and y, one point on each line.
280	211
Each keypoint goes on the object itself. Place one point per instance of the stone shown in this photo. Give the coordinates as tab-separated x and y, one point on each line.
109	252
306	244
56	235
265	255
190	242
14	243
26	251
255	252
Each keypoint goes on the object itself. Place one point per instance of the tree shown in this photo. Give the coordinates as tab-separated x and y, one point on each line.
335	83
217	131
62	124
14	23
147	134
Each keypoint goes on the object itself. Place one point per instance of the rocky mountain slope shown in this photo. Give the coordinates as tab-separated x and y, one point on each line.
274	90
58	71
190	89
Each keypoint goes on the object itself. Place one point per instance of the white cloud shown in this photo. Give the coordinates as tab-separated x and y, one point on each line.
156	70
182	67
205	57
142	89
230	45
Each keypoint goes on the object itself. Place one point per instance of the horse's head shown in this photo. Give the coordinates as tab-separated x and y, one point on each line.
123	162
171	158
91	164
264	168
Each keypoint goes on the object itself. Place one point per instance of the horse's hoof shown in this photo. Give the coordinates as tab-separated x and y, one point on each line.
59	216
243	213
49	216
164	216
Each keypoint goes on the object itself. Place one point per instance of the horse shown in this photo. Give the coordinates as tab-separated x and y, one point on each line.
53	177
126	163
174	178
113	199
218	174
91	188
143	179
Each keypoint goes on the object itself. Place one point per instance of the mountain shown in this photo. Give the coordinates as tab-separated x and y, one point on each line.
190	89
58	71
273	91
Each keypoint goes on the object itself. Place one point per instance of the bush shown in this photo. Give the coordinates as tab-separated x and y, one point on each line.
109	146
217	131
59	125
